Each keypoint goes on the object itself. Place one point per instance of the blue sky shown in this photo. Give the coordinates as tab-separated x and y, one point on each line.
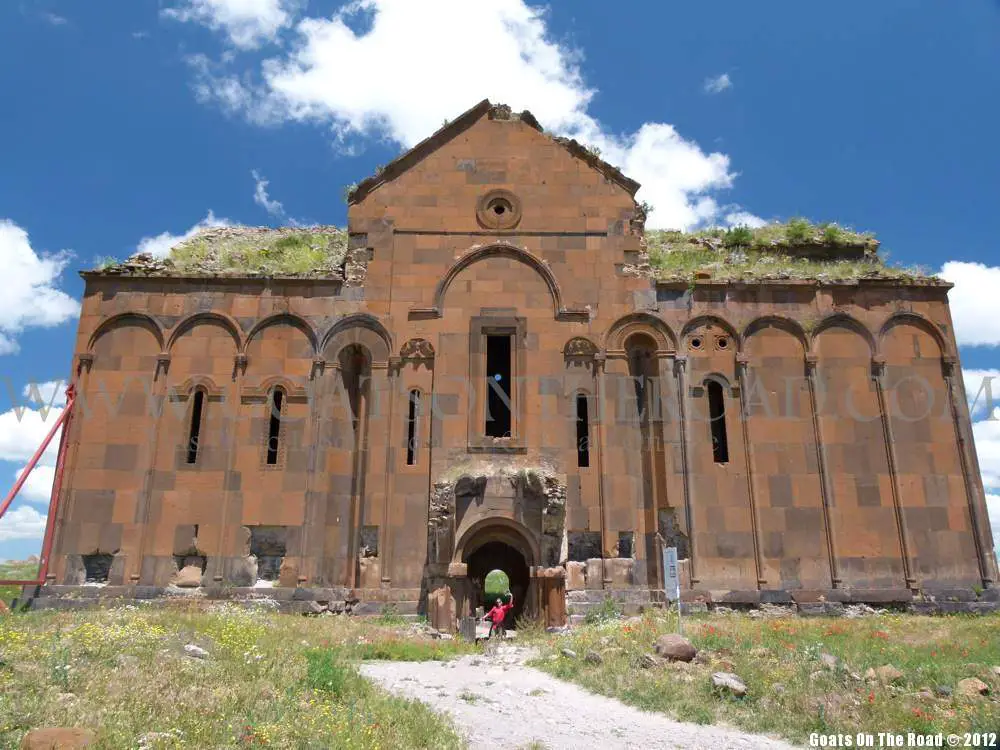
127	124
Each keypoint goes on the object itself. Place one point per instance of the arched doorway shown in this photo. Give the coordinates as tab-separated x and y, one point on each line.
496	555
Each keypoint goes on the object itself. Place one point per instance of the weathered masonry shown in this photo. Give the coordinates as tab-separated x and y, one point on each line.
490	378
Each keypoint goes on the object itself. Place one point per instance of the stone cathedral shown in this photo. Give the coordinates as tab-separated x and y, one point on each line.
491	377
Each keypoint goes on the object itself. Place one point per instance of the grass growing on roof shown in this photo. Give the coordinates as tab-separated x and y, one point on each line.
270	253
791	250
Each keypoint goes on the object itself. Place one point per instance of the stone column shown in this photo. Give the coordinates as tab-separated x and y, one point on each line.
978	515
826	487
742	362
680	367
599	430
158	392
878	375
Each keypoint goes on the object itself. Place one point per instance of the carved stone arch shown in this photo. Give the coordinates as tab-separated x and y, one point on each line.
623	328
294	393
124	319
197	382
498	529
192	320
787	325
285	319
502	251
843	320
713	320
362	329
917	321
417	350
580	348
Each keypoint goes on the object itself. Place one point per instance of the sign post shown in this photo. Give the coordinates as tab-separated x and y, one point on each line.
672	581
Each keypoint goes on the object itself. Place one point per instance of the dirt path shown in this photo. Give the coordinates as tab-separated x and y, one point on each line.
496	702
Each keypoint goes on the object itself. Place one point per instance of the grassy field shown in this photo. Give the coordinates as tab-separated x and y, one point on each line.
268	680
286	681
791	691
16	571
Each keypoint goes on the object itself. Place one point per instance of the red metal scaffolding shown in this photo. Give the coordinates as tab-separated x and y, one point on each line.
62	421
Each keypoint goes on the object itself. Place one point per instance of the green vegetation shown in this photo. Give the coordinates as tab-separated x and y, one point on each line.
497	586
606	612
268	680
277	252
794	250
313	251
16	571
802	675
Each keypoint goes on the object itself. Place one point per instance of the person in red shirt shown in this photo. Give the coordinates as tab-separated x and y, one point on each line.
498	614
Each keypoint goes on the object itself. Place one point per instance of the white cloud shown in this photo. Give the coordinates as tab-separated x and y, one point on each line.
718	84
986	434
262	199
745	219
505	55
160	245
974	302
993	508
247	23
22	430
22	523
976	381
54	19
38	487
48	394
30	299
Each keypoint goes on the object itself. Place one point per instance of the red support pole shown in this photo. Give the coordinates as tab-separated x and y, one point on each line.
62	421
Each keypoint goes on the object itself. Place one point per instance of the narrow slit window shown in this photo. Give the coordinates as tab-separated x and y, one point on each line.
717	417
197	408
498	386
411	428
582	432
274	426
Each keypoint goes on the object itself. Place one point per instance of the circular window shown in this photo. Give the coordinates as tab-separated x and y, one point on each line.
498	209
722	342
696	342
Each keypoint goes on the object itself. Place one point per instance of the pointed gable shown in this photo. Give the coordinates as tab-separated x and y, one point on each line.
461	124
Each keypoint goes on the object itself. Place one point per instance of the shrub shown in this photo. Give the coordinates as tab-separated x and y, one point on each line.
325	672
608	610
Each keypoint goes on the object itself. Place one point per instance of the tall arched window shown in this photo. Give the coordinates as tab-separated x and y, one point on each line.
194	433
411	427
274	425
582	431
717	423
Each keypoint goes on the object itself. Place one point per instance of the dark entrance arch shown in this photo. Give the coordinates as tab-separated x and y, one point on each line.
499	556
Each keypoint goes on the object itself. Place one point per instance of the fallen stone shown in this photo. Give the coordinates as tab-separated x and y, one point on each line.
729	682
971	687
888	674
648	661
675	647
996	671
592	657
189	577
196	651
829	661
58	738
942	691
314	608
778	688
288	574
568	653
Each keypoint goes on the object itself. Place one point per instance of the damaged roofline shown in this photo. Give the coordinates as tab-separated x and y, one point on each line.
463	122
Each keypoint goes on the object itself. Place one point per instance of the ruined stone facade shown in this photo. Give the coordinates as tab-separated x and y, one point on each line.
792	439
